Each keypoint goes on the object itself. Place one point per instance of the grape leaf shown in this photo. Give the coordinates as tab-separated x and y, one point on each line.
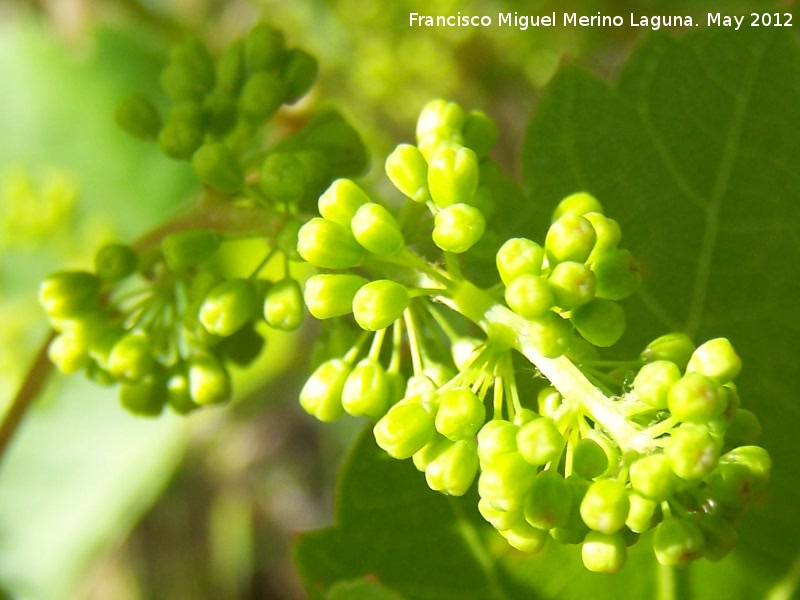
695	153
391	527
360	589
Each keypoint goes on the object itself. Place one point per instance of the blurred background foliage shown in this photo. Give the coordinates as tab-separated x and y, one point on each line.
95	503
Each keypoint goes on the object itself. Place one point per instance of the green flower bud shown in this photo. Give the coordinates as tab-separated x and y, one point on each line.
577	204
440	119
506	480
190	72
366	390
137	115
549	501
716	359
283	305
183	131
283	177
604	553
228	307
114	262
328	245
605	506
130	358
572	284
331	295
337	141
653	382
96	374
695	398
243	347
321	395
525	538
458	227
677	542
608	235
67	294
519	256
341	201
673	347
178	396
529	296
548	400
692	451
425	455
230	70
376	229
744	428
183	250
145	397
209	380
218	168
589	460
731	484
500	519
262	95
405	429
755	458
461	414
380	303
495	438
652	477
551	334
570	238
480	133
85	328
418	385
407	169
601	322
642	514
67	353
452	176
539	441
300	71
264	48
617	274
574	530
454	469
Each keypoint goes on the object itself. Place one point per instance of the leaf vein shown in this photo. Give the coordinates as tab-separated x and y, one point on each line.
719	190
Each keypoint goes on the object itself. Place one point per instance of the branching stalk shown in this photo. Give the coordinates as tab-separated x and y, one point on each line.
504	325
224	218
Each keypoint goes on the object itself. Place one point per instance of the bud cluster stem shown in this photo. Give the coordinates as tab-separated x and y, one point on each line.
503	325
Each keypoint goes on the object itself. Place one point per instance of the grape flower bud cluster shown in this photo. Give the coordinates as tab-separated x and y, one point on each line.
571	448
163	319
606	450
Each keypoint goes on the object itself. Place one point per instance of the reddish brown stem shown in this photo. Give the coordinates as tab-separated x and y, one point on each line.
35	380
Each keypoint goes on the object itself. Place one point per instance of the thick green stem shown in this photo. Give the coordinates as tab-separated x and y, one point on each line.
503	325
672	583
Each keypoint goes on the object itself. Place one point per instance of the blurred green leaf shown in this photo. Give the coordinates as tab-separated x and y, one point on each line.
361	589
695	152
78	476
392	528
82	470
